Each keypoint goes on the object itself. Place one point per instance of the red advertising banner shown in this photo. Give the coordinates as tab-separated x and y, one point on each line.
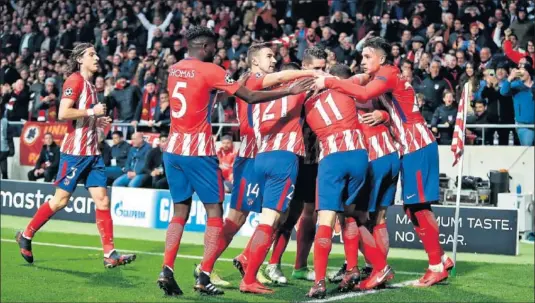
152	138
31	139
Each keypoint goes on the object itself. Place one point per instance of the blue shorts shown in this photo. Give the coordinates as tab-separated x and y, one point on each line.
305	186
188	174
339	172
74	169
381	184
420	175
246	187
277	172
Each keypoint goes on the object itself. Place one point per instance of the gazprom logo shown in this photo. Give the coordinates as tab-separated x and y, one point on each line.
127	213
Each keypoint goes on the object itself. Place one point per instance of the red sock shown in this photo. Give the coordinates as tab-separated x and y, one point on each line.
428	233
43	214
305	238
322	248
212	235
172	241
371	251
260	243
105	228
230	229
350	236
281	241
361	248
380	234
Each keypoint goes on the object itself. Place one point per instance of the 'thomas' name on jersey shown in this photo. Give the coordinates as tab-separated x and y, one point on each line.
333	117
81	137
190	83
278	125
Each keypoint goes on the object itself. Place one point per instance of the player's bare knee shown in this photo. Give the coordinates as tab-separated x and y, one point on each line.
181	210
102	202
60	199
269	217
361	217
380	216
236	216
214	210
326	217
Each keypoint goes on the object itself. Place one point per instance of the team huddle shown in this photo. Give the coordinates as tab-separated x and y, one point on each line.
314	146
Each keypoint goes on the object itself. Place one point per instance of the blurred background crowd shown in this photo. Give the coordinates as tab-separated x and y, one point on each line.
440	45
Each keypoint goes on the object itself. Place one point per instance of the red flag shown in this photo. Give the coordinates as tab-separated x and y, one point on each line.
457	144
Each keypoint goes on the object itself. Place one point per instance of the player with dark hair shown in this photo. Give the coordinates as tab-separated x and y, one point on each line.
419	151
246	189
80	158
304	198
343	164
190	158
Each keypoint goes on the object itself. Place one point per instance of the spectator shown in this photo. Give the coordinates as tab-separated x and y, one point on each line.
104	148
521	86
135	163
124	98
119	155
236	48
433	88
48	162
16	102
162	117
154	165
445	114
226	156
157	24
483	135
48	102
8	74
506	108
4	145
129	67
146	108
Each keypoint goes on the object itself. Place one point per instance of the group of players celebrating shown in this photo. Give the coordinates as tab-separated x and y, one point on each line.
313	146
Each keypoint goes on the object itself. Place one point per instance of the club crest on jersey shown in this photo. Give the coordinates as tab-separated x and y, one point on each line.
229	79
250	201
68	92
258	75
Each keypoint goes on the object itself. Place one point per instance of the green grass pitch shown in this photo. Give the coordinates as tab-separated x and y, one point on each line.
68	268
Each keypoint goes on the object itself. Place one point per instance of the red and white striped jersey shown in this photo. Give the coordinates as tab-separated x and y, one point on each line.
379	141
190	84
246	114
333	117
81	137
397	95
278	125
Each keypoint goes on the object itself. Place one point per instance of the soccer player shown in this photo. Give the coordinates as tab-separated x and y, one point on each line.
80	158
343	164
279	132
419	151
303	203
246	189
190	158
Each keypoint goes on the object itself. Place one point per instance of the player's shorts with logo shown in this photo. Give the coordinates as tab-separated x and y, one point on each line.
276	173
188	174
381	183
74	169
420	175
246	190
305	187
341	176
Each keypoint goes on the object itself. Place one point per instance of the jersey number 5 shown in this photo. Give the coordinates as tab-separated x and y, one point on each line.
180	97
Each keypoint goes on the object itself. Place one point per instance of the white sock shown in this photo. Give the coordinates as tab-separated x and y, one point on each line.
26	237
169	268
207	273
437	268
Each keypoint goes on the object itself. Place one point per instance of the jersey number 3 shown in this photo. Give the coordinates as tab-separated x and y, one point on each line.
180	97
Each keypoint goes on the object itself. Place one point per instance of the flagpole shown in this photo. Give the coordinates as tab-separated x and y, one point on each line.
457	210
467	92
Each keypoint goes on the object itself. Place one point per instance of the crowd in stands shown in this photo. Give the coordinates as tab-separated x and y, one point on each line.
440	45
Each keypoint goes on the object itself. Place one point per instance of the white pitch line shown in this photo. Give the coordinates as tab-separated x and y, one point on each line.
192	257
363	293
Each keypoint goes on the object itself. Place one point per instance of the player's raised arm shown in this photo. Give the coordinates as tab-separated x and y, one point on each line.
288	75
373	89
253	97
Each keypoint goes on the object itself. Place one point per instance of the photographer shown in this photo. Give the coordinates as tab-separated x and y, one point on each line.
520	85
